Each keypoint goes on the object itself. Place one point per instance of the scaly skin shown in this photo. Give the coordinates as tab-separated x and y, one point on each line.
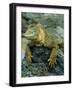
37	35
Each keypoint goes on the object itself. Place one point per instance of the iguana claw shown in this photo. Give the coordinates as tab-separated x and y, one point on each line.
52	62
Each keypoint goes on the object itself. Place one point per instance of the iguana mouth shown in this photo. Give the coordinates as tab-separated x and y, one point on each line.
28	37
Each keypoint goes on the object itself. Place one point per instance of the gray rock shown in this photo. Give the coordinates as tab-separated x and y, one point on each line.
39	66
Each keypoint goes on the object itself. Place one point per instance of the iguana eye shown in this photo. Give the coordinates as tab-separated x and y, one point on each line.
32	32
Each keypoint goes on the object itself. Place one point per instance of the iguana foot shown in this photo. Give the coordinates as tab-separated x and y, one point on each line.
52	62
29	57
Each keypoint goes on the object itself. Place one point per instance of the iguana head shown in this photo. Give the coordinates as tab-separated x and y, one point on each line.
32	32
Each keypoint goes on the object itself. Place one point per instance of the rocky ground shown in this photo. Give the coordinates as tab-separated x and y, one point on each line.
39	66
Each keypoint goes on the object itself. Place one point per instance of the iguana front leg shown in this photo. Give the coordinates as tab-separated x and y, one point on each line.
53	56
29	55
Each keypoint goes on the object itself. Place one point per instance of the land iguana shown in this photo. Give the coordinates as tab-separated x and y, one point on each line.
37	35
